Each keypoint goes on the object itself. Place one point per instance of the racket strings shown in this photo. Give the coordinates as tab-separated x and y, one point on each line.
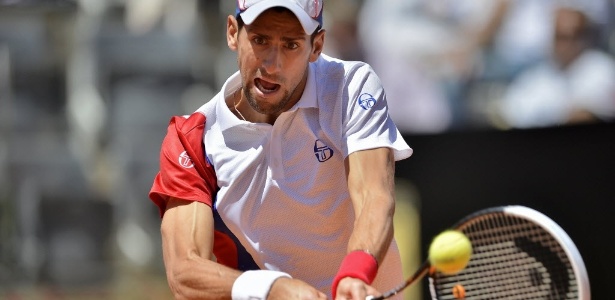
512	259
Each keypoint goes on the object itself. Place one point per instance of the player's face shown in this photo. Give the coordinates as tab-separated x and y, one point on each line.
273	55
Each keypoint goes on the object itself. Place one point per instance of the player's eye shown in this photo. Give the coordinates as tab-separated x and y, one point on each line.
258	40
292	45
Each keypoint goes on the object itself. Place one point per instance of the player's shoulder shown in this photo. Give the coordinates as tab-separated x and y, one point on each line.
196	120
328	64
208	108
351	74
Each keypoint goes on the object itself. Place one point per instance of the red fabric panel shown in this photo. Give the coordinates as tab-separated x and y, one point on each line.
225	250
184	171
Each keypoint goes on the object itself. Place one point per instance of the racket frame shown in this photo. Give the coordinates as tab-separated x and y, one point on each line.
534	216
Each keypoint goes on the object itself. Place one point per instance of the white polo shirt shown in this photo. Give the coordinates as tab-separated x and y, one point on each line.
283	190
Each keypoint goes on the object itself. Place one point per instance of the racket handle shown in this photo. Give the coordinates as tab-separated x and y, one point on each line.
419	274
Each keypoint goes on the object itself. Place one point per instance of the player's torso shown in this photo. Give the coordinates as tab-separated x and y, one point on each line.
283	187
283	192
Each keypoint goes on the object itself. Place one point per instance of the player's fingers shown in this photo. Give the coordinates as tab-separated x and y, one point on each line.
372	293
355	289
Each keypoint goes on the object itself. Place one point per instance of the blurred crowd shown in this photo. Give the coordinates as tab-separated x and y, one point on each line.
466	64
87	88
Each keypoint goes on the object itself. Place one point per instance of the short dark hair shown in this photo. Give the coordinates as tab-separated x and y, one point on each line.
240	23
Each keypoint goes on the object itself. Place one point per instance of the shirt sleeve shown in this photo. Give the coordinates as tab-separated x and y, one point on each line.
184	171
367	121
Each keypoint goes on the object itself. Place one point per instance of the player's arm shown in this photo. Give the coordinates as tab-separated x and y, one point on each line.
187	242
371	175
371	184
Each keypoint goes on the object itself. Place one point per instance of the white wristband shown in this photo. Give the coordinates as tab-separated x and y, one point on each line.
255	285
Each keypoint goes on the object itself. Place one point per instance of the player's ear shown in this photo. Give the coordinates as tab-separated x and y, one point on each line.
232	32
317	45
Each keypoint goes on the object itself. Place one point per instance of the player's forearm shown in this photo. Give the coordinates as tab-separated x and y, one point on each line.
373	228
187	241
193	277
371	183
372	233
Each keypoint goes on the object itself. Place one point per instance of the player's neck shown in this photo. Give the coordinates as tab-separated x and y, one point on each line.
241	108
236	100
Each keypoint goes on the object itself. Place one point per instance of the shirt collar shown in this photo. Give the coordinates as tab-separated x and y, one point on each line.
308	99
224	115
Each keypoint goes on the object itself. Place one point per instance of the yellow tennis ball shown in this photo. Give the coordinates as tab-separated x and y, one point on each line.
450	252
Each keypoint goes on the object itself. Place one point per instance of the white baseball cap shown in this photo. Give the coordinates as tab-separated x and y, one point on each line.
309	12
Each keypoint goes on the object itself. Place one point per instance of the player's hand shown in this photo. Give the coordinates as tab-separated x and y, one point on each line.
354	289
293	289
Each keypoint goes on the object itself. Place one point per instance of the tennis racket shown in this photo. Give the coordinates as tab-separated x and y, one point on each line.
518	253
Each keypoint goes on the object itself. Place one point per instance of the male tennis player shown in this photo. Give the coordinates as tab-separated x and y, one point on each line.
282	186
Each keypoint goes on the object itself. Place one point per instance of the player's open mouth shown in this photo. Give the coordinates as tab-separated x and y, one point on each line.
266	87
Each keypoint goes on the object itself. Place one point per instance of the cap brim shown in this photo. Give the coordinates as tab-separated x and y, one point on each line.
250	14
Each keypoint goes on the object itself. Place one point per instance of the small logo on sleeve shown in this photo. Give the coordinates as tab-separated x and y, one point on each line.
366	101
185	161
322	151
